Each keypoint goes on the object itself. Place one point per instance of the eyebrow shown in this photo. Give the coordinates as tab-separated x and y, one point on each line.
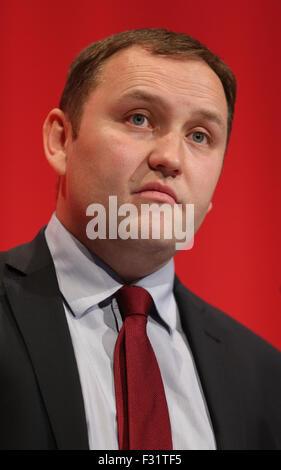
200	113
141	96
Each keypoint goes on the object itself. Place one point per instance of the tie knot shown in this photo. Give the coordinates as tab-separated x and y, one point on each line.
133	300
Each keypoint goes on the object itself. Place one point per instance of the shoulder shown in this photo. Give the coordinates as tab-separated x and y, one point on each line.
243	342
26	257
20	259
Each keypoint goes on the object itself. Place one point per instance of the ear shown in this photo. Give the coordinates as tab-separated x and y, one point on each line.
210	207
56	133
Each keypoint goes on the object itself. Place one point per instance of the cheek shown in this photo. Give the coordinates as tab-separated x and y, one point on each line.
110	154
103	164
202	178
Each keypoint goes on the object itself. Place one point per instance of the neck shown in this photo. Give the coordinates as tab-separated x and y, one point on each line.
130	259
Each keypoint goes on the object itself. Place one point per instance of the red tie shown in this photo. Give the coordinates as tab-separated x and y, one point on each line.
142	412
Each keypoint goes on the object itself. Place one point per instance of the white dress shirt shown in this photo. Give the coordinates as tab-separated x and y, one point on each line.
88	286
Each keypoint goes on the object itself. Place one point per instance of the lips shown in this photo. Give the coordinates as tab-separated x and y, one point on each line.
158	192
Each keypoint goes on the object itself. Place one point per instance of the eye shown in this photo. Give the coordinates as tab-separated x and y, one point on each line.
138	119
199	137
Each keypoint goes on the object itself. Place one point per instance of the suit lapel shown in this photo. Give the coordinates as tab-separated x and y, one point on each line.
215	366
34	297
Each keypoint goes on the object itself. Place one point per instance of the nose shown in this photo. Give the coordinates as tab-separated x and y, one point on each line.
167	155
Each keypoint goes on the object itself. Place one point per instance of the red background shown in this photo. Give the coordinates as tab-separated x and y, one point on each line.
235	262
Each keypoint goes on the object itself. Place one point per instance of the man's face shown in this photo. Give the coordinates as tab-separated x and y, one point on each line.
151	119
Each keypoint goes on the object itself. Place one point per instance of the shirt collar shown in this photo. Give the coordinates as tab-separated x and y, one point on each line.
85	280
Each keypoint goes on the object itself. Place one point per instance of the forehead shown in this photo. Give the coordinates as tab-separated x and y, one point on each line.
180	81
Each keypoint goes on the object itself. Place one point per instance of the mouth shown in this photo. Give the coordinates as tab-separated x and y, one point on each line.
157	192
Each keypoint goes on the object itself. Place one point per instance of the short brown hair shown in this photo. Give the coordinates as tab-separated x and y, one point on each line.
84	71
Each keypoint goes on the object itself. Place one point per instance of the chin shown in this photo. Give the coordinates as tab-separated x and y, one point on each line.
160	248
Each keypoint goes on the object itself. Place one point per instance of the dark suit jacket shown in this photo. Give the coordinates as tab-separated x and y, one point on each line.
41	404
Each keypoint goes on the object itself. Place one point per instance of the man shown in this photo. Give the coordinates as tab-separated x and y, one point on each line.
145	116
